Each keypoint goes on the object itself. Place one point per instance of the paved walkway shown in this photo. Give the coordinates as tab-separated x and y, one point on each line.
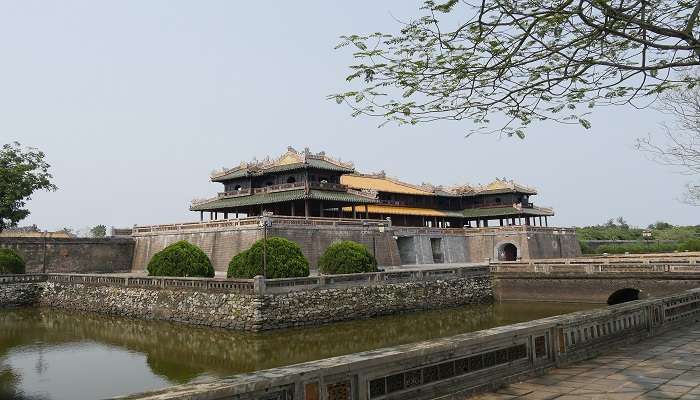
664	367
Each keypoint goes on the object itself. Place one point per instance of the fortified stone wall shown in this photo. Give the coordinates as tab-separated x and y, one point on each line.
19	294
219	245
249	304
225	310
80	255
313	307
394	246
222	244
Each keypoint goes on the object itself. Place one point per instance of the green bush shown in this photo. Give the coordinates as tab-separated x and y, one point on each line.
180	259
690	245
10	262
636	248
284	260
347	258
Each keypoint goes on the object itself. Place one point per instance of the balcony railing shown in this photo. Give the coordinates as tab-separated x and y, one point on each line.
279	188
235	193
328	186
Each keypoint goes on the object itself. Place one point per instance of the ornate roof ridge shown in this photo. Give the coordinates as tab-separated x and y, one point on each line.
291	156
382	175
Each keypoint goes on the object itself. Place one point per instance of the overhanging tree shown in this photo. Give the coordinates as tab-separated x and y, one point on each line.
503	64
22	172
679	144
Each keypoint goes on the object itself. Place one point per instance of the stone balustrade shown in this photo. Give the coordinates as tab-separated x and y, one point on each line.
457	365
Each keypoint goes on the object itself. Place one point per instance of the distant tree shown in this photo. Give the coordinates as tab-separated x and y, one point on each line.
679	145
622	223
504	64
98	231
68	231
660	225
22	172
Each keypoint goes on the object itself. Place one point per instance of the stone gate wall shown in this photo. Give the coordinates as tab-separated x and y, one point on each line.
81	255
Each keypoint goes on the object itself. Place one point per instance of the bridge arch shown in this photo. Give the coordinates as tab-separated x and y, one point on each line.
507	251
624	295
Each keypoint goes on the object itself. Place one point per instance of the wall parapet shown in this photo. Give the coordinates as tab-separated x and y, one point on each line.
575	266
263	286
254	222
456	365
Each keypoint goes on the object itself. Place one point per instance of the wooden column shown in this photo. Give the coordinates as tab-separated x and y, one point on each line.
527	221
292	209
366	212
354	212
306	208
211	215
501	221
201	216
225	214
320	208
546	223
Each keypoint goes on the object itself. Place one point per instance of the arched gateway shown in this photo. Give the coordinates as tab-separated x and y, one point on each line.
507	252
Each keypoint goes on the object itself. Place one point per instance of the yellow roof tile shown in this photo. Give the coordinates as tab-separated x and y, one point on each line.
381	184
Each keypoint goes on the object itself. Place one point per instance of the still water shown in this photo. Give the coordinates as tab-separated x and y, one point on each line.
48	354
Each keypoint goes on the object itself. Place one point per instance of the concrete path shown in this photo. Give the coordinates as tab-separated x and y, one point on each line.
664	367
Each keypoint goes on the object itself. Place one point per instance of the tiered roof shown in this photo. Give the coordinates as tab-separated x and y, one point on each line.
382	183
290	160
278	197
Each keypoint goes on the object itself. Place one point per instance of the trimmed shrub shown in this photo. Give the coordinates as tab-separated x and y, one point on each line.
347	257
284	260
10	262
180	259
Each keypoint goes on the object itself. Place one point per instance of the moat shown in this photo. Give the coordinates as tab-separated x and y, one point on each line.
53	354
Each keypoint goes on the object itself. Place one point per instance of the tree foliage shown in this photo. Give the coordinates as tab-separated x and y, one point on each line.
284	260
619	230
11	262
679	144
98	231
346	257
22	172
180	259
503	64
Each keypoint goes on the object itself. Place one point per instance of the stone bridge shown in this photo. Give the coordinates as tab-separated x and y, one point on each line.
595	280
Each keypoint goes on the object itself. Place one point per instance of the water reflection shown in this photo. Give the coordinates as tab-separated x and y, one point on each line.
53	354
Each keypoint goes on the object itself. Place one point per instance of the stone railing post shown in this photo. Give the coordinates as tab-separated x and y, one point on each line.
259	285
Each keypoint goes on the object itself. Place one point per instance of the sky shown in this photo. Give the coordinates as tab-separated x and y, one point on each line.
136	102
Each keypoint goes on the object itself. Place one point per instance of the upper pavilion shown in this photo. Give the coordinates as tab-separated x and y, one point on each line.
316	185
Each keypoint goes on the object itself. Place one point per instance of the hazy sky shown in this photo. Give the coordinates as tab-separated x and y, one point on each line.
135	102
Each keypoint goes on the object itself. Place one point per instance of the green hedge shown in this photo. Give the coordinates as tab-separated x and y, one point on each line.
10	262
347	257
181	259
284	260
